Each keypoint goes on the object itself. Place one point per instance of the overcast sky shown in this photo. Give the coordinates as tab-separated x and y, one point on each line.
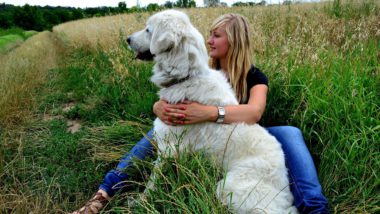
112	3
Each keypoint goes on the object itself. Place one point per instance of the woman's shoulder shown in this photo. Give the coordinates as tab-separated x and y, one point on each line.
255	77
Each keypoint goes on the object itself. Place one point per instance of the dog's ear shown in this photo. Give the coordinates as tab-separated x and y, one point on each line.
164	38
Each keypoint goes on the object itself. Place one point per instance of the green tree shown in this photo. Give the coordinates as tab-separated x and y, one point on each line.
185	3
29	18
239	4
168	4
153	7
135	9
263	3
212	3
192	4
77	14
6	20
122	6
63	15
51	18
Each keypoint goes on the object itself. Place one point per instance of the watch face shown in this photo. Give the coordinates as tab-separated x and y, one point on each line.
221	113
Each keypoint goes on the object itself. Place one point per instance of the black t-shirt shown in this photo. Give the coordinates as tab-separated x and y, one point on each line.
255	77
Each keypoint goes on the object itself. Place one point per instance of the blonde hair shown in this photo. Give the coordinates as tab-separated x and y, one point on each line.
239	51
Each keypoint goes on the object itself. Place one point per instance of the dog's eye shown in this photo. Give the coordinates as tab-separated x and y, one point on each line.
147	30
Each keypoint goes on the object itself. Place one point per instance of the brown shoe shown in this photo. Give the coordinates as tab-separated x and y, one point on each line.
93	206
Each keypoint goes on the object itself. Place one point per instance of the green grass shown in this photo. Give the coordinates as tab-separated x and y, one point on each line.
4	32
10	38
352	9
184	184
50	165
29	33
17	31
100	93
327	85
337	106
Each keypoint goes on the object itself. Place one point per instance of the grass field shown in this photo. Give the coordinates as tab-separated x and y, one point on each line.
5	40
74	100
11	38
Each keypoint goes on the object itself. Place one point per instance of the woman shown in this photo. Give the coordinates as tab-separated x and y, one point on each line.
229	45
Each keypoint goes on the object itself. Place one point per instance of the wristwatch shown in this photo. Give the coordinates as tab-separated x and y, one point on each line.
221	114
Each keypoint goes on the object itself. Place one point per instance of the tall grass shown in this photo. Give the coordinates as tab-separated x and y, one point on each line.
325	80
352	9
101	32
104	88
182	185
322	61
22	70
338	112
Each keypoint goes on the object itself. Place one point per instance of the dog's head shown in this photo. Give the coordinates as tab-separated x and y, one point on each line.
177	47
164	31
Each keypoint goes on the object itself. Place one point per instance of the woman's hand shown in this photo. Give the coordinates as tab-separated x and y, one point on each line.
187	112
197	113
168	113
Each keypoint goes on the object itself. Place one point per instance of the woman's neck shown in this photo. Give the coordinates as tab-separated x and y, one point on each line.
223	65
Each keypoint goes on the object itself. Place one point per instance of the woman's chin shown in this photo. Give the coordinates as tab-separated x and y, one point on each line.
212	54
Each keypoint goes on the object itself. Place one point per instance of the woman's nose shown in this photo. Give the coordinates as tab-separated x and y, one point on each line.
209	41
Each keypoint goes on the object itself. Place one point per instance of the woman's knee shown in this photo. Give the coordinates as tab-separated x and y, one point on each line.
293	130
285	133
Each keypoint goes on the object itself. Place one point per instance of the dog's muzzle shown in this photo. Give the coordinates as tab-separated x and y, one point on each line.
146	56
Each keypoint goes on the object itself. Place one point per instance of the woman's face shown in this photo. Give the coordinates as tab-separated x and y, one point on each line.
218	43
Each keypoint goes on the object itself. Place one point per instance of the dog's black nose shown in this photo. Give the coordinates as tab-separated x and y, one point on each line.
129	39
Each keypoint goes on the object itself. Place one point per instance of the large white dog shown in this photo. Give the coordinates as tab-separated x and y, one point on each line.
256	177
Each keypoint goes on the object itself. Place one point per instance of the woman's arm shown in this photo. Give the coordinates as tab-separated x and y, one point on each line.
251	112
190	112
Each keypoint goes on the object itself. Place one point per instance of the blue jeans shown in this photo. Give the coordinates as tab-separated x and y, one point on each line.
304	184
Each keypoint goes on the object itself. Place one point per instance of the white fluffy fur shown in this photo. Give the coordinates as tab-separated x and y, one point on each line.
253	159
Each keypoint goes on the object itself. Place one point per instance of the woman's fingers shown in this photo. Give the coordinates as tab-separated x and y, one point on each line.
169	121
178	122
175	107
174	121
174	113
